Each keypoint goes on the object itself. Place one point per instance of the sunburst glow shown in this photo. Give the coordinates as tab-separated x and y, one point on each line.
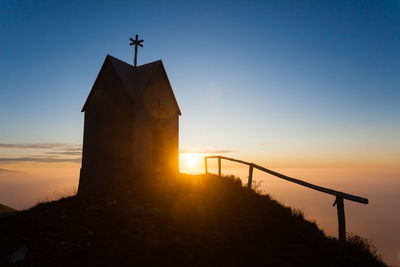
191	160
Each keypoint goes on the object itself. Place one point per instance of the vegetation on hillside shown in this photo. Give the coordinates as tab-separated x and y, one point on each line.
173	220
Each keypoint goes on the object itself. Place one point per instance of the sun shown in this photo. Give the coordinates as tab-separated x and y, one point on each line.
191	160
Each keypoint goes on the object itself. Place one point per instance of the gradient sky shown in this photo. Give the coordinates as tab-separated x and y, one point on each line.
281	82
285	84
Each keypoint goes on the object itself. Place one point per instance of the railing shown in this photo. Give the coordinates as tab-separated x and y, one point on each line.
340	196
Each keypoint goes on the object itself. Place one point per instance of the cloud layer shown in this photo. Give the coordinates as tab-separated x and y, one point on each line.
40	159
68	152
205	150
44	152
66	146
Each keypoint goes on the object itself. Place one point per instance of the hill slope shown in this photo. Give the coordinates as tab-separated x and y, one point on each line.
172	220
5	210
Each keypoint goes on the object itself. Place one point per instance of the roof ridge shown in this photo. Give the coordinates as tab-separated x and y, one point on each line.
133	68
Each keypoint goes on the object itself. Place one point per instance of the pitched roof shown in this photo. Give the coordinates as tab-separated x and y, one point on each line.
134	79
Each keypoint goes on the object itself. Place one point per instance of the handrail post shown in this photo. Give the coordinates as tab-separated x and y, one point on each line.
341	220
250	176
205	165
219	166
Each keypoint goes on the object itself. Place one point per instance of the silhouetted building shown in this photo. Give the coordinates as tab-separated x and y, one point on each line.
131	125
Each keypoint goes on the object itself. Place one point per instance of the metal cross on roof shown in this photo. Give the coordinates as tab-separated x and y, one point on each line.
136	43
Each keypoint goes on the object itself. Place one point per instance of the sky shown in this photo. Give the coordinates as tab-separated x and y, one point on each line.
294	82
284	84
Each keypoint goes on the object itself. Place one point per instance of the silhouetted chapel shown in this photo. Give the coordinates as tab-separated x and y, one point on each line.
131	125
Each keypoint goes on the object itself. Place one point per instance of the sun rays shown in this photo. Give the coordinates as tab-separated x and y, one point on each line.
191	162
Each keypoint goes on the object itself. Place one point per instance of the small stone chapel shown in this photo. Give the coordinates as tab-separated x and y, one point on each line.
131	125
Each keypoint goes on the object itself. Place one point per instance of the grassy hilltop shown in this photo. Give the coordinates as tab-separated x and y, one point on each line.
200	220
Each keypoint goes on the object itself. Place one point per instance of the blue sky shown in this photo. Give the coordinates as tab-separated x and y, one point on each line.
284	79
